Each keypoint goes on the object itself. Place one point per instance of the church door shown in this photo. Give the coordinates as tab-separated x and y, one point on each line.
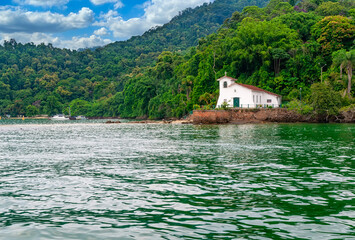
236	102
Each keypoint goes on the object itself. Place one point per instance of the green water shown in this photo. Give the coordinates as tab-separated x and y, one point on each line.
90	180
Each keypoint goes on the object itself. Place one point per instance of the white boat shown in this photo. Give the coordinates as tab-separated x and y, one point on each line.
59	117
80	118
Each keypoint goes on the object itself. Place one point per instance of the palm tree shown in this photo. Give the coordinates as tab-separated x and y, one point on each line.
344	59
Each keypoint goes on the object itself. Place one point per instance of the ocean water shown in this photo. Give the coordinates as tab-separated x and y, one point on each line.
90	180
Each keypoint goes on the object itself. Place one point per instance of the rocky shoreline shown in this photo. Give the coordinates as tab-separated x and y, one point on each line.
248	116
276	115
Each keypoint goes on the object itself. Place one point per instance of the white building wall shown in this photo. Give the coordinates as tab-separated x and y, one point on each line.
247	97
244	94
261	98
234	91
225	94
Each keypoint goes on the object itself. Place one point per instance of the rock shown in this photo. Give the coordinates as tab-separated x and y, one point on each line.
238	116
347	116
112	122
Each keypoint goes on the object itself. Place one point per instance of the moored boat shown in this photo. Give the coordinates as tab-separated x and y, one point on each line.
59	117
81	118
78	118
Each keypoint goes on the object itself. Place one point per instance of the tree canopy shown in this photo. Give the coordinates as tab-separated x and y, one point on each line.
280	47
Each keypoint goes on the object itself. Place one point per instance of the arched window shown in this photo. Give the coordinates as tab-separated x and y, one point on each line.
225	84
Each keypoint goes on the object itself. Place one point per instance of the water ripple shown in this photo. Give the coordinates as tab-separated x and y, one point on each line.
127	181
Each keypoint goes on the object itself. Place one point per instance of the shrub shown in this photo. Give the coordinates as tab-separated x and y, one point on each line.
196	107
301	108
31	111
325	101
347	108
224	106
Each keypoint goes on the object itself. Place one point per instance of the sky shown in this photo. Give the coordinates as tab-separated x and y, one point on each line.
78	24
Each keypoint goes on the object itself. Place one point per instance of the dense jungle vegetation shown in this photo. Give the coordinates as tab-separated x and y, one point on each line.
285	47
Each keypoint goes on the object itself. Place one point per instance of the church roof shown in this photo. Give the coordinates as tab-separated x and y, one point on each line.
248	86
227	77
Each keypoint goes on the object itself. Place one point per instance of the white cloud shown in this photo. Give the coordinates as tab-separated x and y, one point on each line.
74	43
37	27
157	12
42	3
101	32
36	38
18	20
121	28
84	42
118	3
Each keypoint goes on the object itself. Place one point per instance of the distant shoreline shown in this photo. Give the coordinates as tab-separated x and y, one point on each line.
47	117
217	117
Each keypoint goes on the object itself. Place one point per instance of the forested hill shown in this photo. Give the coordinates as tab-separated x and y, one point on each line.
182	32
281	47
44	79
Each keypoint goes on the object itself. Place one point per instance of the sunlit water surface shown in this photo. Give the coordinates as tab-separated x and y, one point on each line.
130	181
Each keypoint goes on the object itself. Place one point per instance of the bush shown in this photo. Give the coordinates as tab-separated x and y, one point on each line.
347	108
224	106
301	108
196	107
207	107
31	111
325	101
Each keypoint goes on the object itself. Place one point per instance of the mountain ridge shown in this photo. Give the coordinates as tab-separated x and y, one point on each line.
45	79
279	48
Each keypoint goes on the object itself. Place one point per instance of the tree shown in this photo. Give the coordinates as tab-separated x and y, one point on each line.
254	12
79	107
352	13
255	39
272	5
48	81
207	98
31	111
344	59
325	101
281	9
301	22
278	54
4	91
330	9
52	106
307	5
164	68
334	33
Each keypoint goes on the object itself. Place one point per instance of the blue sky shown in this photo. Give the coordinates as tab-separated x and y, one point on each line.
84	23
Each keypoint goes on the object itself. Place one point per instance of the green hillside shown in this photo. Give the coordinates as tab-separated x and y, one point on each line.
182	32
280	48
43	79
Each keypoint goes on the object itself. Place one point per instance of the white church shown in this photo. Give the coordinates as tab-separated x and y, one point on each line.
238	95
